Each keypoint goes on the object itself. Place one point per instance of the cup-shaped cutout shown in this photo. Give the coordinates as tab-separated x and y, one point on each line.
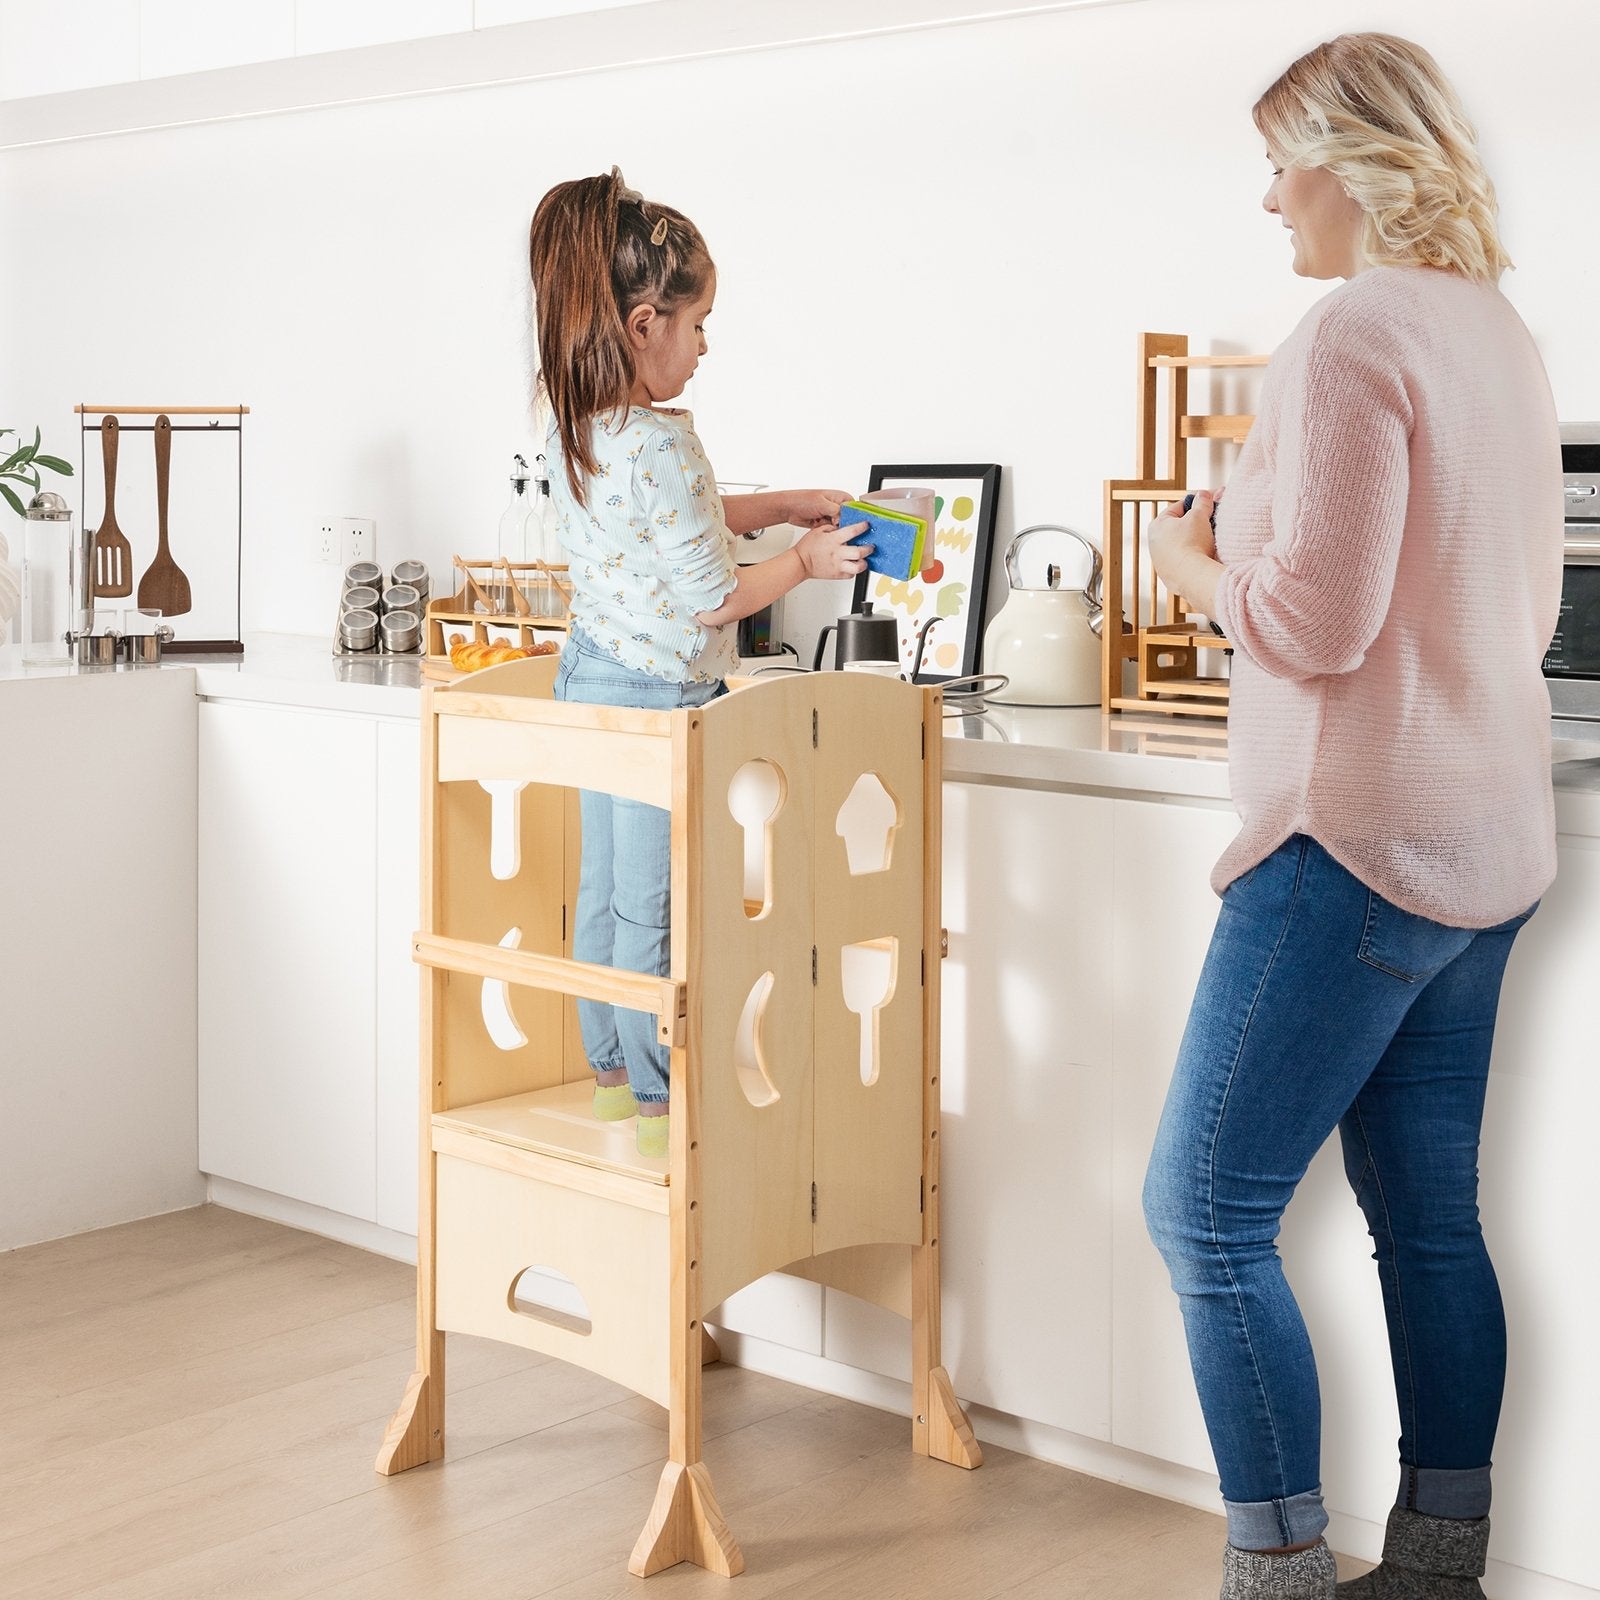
496	1004
867	822
551	1297
749	1052
505	825
867	974
756	794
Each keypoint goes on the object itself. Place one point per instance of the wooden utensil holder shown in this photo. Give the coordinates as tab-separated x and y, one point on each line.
804	1135
1176	658
479	605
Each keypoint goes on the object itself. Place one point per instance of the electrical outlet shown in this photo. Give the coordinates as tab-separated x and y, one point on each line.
326	545
358	539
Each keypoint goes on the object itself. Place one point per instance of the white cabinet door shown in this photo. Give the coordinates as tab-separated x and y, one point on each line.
399	880
1160	929
1026	1096
287	887
1540	1195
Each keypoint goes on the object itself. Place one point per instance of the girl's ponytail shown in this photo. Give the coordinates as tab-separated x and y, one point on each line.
596	250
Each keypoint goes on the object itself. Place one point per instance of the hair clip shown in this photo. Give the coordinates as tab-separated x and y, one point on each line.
658	234
623	191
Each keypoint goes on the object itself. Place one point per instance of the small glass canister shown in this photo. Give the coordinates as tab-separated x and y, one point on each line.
45	617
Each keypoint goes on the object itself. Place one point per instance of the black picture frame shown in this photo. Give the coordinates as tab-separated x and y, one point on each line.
910	601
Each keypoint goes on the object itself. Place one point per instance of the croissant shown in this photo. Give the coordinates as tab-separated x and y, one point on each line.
473	657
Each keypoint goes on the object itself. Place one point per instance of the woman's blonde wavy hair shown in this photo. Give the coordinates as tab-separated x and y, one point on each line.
1377	112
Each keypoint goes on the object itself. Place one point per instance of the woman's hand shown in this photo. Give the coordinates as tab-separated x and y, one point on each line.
807	508
825	550
1183	550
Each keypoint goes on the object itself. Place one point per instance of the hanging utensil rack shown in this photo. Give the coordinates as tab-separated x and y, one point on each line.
217	424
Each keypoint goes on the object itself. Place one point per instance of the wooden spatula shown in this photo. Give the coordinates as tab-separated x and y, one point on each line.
164	587
113	555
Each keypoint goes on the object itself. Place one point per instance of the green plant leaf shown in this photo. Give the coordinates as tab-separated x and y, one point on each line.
38	435
12	461
16	504
54	464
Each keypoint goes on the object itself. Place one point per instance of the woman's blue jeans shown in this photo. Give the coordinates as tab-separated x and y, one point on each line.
624	916
1323	1005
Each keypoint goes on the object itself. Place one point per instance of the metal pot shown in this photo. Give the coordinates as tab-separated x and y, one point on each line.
1046	640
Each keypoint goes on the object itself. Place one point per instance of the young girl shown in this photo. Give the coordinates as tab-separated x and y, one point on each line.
623	288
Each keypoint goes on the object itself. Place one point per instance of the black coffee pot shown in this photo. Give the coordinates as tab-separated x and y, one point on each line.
863	636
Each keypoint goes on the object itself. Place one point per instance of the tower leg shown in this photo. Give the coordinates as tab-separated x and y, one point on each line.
686	1524
415	1434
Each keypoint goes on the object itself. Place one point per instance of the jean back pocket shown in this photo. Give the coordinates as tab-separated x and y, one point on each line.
1407	946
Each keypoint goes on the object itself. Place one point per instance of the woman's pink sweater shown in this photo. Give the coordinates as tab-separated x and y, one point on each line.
1392	543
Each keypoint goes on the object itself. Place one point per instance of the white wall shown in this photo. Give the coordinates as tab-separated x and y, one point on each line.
935	245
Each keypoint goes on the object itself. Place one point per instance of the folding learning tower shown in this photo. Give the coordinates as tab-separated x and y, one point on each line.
804	1134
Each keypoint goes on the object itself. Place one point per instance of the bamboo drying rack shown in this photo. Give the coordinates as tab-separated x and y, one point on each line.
786	1152
1161	638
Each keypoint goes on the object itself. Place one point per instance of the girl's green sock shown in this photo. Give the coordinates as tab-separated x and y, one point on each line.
650	1134
614	1102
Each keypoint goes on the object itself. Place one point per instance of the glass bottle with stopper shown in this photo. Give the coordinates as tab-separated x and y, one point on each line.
515	535
544	546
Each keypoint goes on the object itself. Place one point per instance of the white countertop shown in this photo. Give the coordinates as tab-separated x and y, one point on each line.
1060	748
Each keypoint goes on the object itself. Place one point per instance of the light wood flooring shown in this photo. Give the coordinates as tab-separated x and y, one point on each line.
191	1406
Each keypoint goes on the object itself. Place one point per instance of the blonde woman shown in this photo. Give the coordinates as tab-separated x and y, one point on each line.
1386	565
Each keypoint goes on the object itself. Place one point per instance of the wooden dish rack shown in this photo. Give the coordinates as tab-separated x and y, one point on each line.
805	1128
1168	647
480	604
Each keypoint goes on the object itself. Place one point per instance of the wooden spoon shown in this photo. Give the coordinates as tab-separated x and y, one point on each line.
113	555
164	587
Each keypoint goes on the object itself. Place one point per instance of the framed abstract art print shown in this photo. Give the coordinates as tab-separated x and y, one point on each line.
942	605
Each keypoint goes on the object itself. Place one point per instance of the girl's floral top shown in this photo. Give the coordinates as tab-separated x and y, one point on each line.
650	549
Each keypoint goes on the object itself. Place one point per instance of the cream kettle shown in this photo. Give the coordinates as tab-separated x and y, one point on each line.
1046	641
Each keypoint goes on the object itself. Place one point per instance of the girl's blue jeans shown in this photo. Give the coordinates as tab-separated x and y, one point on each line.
1321	1005
624	915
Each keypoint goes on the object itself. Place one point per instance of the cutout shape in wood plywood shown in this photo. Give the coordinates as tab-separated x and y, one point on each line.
867	822
551	1297
496	1004
867	974
749	1055
505	825
756	794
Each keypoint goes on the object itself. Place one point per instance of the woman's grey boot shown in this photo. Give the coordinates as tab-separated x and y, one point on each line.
1259	1575
1426	1558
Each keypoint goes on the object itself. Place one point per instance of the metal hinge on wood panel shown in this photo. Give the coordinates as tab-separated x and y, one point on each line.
922	1194
813	727
563	925
923	978
813	1202
813	966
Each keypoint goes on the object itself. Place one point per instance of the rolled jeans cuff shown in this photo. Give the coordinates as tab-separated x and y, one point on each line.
1272	1524
1445	1491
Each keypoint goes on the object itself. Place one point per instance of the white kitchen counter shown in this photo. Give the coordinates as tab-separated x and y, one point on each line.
1066	748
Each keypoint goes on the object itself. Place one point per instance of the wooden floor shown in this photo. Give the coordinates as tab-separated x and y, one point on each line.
191	1406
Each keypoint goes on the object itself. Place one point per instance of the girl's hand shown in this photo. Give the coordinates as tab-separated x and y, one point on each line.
807	508
826	552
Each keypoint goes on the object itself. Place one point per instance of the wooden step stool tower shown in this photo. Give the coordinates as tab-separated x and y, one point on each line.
804	1133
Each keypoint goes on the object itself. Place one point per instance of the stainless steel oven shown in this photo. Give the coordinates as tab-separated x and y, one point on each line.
1572	664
